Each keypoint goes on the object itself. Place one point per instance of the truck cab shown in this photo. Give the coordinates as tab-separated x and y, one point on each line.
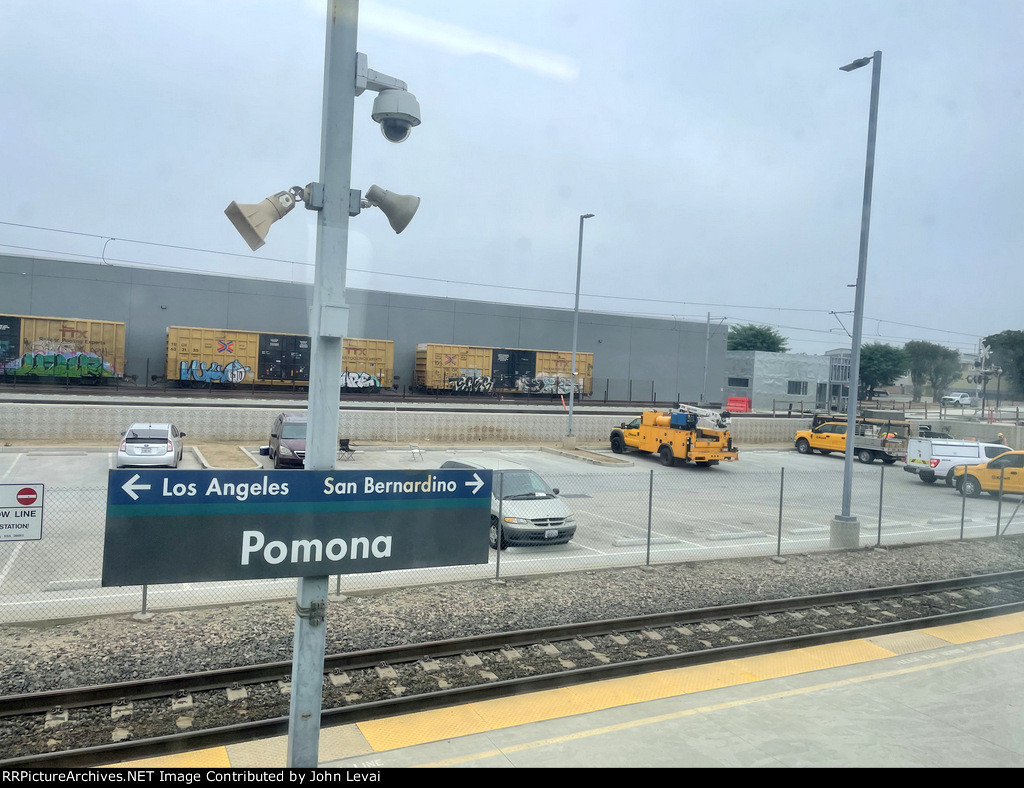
1004	473
825	438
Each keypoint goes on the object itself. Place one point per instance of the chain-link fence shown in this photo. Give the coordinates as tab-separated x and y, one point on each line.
629	518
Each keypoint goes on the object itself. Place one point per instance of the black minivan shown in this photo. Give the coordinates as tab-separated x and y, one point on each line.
288	440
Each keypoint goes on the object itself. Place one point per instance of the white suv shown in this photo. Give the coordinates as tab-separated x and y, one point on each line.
957	400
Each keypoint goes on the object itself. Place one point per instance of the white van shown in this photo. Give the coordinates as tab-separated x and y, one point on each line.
531	512
931	458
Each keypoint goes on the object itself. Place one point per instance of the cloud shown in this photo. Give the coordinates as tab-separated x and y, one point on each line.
460	41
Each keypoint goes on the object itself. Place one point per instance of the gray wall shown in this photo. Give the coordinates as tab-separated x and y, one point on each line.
632	355
769	375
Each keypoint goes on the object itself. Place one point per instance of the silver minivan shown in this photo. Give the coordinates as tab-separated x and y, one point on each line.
531	512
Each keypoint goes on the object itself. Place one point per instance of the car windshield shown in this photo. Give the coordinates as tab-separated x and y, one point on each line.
520	484
146	433
294	431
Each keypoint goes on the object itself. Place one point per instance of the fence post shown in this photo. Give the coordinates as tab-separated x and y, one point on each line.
999	505
881	490
650	510
782	486
497	539
963	501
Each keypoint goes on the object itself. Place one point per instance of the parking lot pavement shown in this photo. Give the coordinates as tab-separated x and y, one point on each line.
629	509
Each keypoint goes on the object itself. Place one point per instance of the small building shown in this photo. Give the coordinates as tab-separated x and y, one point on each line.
779	381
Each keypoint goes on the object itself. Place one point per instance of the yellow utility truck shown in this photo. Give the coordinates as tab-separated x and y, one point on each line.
875	439
686	434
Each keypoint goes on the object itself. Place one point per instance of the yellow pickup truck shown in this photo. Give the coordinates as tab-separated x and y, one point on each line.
1006	469
887	442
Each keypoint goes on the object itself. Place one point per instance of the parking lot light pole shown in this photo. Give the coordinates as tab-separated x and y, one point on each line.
576	317
858	311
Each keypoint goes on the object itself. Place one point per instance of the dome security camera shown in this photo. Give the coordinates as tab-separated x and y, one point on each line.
397	111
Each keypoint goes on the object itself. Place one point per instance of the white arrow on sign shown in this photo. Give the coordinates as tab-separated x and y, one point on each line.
130	487
476	485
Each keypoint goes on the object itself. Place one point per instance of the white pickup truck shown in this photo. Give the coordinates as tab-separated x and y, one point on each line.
957	400
933	458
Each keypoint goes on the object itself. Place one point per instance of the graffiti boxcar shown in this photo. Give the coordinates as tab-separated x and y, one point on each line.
201	356
471	369
58	347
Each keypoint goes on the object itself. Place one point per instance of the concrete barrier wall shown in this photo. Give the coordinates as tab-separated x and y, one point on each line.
103	424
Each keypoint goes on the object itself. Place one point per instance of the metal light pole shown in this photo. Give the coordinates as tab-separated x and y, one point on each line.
858	311
576	317
328	324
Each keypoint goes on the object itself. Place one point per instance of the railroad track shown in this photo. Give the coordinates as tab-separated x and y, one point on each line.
104	724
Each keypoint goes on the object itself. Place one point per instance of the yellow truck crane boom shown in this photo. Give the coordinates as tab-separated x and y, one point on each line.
686	434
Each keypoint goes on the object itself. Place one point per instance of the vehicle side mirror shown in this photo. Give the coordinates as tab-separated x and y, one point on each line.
123	434
554	490
181	434
622	426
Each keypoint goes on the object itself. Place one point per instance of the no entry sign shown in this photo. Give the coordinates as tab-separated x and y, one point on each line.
21	512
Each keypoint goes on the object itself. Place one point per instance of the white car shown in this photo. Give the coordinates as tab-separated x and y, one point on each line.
956	400
150	444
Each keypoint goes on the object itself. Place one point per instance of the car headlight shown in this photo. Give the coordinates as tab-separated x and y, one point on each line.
570	520
286	451
517	521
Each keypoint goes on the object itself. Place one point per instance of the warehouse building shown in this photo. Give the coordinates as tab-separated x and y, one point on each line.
641	359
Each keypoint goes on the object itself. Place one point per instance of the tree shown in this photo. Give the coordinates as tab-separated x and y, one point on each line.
880	365
1008	353
943	370
926	360
751	337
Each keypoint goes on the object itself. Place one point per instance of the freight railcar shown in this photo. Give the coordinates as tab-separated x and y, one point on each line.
215	356
471	369
62	348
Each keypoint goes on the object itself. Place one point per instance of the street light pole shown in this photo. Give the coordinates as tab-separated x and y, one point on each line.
858	311
576	317
328	325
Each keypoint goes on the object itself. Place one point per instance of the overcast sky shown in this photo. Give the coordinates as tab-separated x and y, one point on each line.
718	144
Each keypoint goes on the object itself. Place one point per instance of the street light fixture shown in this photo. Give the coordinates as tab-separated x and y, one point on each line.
576	316
846	532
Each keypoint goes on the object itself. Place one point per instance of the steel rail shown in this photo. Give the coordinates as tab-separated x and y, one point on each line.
214	737
165	686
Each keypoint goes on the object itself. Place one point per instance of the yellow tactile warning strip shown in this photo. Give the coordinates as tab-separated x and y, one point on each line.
979	630
351	741
423	727
212	758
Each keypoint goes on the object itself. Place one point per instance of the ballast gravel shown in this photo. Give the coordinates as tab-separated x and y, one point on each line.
44	656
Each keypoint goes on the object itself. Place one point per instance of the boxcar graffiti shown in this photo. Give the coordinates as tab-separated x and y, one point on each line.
211	356
472	369
64	348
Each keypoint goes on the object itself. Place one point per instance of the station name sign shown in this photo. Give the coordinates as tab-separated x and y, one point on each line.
170	526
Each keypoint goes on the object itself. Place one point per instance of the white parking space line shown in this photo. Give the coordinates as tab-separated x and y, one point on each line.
10	563
14	463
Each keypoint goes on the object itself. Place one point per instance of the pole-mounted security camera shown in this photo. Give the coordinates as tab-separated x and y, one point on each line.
397	111
395	108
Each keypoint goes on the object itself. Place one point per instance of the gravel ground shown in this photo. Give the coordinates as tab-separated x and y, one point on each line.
96	651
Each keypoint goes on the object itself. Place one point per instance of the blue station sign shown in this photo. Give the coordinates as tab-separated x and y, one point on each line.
171	526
